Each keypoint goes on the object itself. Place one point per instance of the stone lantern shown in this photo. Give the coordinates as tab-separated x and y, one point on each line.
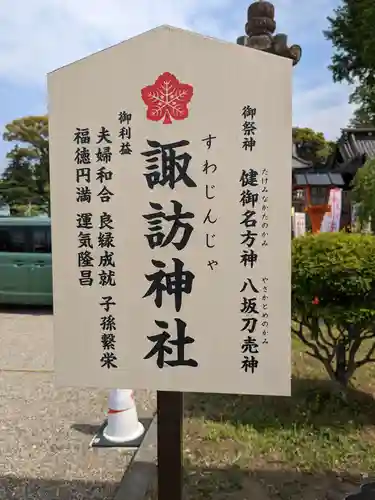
260	29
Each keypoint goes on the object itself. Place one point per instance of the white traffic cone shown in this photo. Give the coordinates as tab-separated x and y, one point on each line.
123	425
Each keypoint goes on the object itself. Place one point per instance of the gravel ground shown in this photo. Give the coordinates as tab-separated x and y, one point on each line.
45	433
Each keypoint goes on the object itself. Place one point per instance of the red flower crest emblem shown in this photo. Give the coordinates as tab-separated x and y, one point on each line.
167	99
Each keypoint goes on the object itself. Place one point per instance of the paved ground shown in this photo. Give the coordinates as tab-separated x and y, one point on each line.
44	433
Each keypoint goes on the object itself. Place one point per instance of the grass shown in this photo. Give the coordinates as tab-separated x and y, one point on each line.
311	446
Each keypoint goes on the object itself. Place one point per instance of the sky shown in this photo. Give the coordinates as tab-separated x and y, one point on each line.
38	36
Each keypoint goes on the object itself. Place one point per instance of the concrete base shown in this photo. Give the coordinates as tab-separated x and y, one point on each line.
142	472
367	492
100	441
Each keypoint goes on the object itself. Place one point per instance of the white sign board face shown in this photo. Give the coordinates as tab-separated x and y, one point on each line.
171	189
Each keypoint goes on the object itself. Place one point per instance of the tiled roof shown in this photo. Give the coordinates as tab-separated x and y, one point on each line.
298	162
317	179
357	142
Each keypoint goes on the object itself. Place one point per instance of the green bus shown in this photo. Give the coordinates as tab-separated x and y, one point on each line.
25	261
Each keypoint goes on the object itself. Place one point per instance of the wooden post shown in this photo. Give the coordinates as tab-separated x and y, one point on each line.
170	407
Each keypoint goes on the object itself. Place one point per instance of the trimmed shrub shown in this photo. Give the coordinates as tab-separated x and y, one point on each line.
333	300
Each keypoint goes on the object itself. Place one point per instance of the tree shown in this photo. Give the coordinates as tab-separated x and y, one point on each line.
333	300
27	175
352	35
311	145
17	186
362	119
364	115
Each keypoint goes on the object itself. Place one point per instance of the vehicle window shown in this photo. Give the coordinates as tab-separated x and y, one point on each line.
41	240
13	239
